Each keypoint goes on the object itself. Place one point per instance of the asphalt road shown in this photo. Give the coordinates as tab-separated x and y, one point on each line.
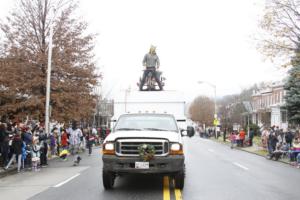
214	171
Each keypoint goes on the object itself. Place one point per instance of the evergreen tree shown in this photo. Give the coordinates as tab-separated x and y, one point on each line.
292	88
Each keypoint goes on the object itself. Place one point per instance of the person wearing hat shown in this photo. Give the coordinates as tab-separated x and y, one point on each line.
151	62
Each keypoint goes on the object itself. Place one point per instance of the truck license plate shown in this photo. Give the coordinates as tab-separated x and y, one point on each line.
142	165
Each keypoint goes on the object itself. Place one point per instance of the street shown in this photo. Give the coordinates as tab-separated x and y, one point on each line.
214	171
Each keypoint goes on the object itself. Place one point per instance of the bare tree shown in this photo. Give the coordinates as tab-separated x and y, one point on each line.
281	23
25	49
202	110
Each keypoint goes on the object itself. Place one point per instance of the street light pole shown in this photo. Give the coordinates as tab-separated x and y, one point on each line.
127	91
215	98
47	125
215	114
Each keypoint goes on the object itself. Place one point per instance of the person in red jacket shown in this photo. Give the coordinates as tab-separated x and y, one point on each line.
242	136
64	139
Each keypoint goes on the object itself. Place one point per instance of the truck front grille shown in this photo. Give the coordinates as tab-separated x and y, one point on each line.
129	147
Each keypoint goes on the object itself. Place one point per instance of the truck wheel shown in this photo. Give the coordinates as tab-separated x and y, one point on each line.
108	179
179	180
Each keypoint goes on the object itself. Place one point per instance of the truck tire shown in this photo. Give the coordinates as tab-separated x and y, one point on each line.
179	179
108	179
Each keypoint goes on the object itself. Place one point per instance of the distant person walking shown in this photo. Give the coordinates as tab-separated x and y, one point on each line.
242	137
75	141
251	136
90	140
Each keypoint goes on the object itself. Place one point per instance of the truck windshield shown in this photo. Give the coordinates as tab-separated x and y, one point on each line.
146	122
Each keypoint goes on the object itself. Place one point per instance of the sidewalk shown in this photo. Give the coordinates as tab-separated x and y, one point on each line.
13	168
8	171
255	149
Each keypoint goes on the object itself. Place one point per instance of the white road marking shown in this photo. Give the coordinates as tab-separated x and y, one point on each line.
205	140
241	166
64	182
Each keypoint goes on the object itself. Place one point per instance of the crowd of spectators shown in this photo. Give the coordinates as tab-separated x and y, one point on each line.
29	146
279	144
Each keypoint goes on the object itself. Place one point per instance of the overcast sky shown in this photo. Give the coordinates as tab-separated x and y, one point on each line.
196	40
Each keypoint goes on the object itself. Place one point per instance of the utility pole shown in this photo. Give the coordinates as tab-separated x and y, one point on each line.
127	91
47	112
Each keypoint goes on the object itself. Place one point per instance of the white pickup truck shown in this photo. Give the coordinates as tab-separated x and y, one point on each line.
144	144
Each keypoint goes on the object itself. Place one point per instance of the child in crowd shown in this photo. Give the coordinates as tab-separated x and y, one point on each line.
35	154
64	139
52	144
232	138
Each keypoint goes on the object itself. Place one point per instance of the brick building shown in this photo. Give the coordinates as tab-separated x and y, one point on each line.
267	105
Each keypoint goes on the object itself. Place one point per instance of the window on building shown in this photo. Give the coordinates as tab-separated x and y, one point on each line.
283	116
280	97
260	103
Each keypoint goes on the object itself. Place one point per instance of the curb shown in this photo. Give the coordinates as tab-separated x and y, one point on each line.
13	170
221	142
8	172
263	156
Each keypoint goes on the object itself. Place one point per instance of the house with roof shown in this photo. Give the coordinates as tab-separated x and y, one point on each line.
267	106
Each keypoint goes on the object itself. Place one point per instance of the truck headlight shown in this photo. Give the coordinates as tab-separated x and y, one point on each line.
176	149
108	148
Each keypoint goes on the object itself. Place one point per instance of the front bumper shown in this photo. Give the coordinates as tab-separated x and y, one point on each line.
159	165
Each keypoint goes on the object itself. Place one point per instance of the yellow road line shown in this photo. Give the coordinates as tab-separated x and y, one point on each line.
178	195
166	188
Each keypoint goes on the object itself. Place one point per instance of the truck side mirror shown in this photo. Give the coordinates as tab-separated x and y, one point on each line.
190	131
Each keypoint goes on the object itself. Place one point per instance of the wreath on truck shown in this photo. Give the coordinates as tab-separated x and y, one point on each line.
146	152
